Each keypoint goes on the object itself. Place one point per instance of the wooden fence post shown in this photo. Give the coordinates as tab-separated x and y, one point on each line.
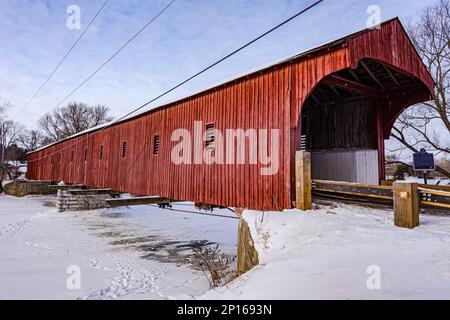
406	205
303	180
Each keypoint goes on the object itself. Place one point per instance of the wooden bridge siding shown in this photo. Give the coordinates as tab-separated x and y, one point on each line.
305	75
270	99
390	44
259	101
264	100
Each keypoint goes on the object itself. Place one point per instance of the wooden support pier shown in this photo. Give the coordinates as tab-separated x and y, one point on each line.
406	205
303	181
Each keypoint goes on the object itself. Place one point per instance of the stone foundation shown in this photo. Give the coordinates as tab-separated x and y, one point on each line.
66	201
21	188
247	256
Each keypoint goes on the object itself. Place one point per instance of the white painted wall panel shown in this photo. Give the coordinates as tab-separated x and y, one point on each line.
360	166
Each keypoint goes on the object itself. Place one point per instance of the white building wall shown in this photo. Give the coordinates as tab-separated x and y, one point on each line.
360	166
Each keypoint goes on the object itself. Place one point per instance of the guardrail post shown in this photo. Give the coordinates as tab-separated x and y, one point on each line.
406	205
303	199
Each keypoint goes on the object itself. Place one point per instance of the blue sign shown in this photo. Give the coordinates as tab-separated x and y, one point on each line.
424	161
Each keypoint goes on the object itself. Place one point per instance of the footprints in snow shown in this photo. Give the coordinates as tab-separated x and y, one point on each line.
130	281
13	228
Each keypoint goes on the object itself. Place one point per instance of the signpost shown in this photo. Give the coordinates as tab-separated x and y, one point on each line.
424	161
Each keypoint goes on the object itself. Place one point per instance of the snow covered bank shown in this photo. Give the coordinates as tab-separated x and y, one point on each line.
128	253
142	253
332	252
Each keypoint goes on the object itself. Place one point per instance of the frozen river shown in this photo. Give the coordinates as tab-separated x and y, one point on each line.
140	252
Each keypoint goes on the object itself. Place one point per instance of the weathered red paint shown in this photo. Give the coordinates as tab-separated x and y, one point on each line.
270	99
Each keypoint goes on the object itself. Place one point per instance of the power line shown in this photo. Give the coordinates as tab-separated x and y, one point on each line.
221	60
61	61
115	54
192	77
210	67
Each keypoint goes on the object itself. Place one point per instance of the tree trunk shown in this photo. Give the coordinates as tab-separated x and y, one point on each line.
3	170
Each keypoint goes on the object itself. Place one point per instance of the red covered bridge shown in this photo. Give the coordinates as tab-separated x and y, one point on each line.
338	101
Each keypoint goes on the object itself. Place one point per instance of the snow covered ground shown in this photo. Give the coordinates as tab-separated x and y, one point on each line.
129	253
334	251
441	182
142	253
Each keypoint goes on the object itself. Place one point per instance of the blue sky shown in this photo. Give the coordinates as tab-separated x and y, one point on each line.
188	37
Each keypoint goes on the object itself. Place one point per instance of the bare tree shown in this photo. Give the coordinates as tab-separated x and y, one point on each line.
73	118
427	125
9	131
3	108
31	140
3	169
444	163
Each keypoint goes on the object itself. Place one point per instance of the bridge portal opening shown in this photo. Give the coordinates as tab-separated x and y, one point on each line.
347	117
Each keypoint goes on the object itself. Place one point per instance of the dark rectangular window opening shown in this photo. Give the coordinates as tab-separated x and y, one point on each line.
85	154
124	150
71	156
156	142
209	143
102	149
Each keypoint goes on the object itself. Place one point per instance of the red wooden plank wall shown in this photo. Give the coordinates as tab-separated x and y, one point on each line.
253	102
270	99
390	44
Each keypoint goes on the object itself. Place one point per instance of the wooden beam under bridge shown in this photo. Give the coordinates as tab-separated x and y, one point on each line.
352	86
137	201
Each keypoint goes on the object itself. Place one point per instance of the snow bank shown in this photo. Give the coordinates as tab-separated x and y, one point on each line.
327	253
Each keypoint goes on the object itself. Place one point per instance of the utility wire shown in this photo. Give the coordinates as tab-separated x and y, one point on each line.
61	61
194	76
222	59
115	54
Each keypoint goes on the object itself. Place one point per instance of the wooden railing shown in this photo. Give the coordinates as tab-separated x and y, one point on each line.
434	198
427	196
353	189
405	197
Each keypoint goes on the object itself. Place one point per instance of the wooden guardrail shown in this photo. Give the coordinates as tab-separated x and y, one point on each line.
406	198
427	197
434	198
353	189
